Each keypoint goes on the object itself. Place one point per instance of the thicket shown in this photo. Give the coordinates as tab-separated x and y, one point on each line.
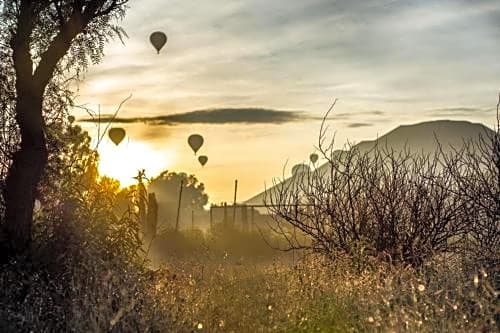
401	206
85	269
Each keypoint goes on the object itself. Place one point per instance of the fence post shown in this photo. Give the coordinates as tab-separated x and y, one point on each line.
152	215
179	207
234	201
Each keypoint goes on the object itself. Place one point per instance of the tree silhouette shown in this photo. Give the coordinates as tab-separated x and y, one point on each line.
46	41
166	187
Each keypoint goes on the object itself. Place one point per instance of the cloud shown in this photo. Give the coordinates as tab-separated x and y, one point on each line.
120	70
357	125
459	111
361	113
399	56
215	116
146	133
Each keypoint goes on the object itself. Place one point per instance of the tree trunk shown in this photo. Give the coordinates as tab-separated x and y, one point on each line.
30	160
25	172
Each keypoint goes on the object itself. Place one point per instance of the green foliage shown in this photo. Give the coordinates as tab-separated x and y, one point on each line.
83	270
86	270
51	16
46	28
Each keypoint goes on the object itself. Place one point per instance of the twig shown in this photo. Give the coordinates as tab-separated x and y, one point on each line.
498	112
323	129
99	139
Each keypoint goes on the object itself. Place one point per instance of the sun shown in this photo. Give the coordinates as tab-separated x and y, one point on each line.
122	162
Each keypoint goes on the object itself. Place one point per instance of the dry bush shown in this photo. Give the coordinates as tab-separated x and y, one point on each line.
402	206
397	205
475	170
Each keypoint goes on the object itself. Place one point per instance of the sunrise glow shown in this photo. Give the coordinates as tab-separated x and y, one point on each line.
122	162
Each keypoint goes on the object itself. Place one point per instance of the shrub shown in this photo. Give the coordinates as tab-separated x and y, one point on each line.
475	170
402	206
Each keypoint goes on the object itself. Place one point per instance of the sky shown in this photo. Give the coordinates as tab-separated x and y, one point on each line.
255	77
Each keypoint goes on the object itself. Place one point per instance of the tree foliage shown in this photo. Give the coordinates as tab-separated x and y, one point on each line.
166	187
45	46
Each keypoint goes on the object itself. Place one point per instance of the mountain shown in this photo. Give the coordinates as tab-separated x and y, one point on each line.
423	137
418	138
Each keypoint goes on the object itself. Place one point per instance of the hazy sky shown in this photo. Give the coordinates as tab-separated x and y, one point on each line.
388	62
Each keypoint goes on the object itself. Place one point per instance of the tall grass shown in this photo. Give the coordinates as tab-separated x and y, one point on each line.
316	295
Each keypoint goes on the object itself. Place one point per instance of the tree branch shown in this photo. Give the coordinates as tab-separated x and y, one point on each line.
76	24
20	43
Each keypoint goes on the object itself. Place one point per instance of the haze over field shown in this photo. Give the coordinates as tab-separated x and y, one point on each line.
388	62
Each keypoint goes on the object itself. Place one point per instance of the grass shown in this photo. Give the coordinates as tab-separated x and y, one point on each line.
270	296
212	287
314	295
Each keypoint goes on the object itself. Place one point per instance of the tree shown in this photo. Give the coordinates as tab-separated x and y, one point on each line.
45	43
166	188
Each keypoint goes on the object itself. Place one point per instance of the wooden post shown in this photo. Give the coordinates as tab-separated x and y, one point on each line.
140	200
152	216
141	203
234	201
179	207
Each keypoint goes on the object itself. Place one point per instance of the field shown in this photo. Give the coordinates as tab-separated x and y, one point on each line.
212	291
309	293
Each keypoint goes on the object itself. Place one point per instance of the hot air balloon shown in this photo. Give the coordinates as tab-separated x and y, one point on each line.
203	160
300	169
313	158
195	141
158	39
116	135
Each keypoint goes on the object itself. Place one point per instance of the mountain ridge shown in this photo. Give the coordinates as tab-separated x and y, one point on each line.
420	137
